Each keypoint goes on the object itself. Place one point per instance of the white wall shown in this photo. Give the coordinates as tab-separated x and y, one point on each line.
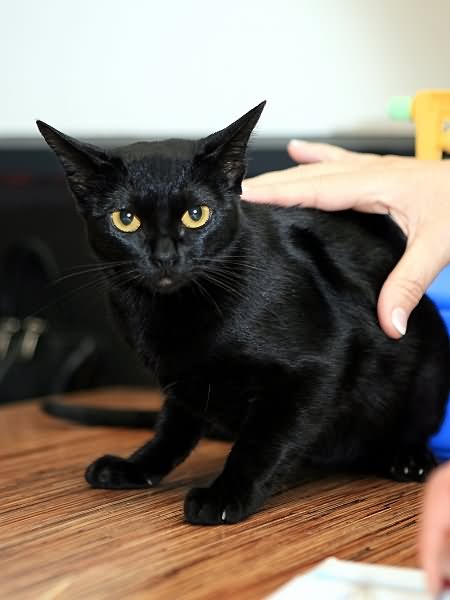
156	67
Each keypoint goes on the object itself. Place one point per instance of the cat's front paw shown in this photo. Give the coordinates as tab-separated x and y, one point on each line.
412	466
115	473
216	506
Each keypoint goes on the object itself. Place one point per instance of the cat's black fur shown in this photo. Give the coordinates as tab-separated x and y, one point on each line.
267	330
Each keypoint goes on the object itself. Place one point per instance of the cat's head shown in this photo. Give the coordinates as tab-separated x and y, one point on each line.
169	207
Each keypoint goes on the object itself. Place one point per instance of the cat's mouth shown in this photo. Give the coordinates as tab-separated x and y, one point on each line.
167	283
164	282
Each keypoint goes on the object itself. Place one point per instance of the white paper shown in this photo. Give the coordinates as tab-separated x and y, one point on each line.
342	580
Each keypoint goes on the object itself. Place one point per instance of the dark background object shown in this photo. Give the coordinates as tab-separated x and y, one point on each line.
38	355
36	205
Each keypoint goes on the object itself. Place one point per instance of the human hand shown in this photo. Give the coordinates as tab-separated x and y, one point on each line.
415	193
434	541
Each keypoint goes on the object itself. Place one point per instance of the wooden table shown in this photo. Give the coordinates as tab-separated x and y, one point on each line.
59	539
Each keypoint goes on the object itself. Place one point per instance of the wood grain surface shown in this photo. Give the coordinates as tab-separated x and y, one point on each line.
59	539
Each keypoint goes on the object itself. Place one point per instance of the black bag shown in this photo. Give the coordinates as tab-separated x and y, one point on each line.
39	355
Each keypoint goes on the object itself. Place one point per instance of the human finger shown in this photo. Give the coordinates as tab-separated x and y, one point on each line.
423	259
434	538
330	191
310	152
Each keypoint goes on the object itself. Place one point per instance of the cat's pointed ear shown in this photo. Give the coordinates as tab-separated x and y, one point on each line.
227	148
82	163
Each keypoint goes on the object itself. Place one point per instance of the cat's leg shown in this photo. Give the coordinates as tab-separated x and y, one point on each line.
269	446
177	433
411	458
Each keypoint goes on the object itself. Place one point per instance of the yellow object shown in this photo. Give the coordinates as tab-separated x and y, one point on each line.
196	217
125	221
431	114
430	111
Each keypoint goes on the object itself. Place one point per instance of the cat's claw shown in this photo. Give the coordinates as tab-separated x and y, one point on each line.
115	473
212	506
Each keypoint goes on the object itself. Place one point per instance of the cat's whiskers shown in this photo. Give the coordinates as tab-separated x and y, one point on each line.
98	263
227	272
98	282
93	268
230	264
90	284
208	296
236	262
227	277
125	278
218	281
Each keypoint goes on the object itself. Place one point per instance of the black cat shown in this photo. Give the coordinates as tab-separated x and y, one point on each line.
259	321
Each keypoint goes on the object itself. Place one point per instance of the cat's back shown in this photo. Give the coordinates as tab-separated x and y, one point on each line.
327	271
341	245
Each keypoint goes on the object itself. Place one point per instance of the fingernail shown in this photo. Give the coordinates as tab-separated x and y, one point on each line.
399	320
244	190
296	142
250	194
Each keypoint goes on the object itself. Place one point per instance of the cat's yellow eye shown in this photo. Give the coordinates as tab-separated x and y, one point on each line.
196	217
125	221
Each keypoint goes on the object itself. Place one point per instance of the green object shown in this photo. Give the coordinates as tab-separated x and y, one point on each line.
400	108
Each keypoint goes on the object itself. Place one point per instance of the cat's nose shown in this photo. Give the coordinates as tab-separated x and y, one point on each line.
165	252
